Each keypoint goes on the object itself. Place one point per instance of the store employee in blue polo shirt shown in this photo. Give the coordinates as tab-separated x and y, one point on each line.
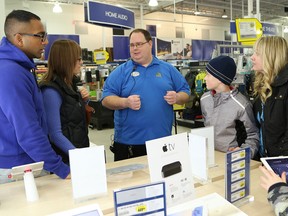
142	92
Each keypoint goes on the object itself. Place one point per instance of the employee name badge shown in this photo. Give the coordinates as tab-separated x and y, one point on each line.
144	199
135	74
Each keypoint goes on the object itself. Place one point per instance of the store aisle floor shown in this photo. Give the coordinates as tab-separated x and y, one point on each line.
104	137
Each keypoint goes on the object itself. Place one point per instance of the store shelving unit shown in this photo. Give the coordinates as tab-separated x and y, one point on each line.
41	69
189	68
241	54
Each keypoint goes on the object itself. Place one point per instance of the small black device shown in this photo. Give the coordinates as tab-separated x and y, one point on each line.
88	76
97	72
171	169
111	147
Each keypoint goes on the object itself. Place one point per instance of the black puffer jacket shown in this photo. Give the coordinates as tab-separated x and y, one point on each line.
72	112
275	125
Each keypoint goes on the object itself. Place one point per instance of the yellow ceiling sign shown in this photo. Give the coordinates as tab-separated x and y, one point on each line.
248	30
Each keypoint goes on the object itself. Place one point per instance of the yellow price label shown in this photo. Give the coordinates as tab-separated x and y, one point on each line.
141	208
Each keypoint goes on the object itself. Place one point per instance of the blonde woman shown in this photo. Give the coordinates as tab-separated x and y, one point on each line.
270	61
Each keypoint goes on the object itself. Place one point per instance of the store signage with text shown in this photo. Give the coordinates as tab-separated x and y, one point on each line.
108	15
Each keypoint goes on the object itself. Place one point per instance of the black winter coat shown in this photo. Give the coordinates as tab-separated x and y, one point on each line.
275	126
73	115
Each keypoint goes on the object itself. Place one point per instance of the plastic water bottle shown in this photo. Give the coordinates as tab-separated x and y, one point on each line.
30	186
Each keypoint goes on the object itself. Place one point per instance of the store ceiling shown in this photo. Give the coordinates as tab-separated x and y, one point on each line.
271	10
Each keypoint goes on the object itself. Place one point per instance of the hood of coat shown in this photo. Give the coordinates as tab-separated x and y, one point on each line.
10	52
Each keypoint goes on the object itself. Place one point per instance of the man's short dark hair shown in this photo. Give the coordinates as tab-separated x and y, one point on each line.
146	34
18	16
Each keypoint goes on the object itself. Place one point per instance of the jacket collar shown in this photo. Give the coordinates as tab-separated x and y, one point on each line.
213	92
281	78
221	97
65	87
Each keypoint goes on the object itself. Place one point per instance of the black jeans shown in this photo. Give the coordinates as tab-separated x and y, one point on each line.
122	151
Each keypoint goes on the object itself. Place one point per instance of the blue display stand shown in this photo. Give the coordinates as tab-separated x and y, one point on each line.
237	178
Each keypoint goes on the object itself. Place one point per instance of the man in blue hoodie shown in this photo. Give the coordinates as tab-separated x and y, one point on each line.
23	130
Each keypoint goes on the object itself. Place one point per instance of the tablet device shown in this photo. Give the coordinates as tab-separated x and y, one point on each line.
276	164
89	210
18	171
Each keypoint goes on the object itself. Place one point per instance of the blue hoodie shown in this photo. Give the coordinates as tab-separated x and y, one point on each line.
23	129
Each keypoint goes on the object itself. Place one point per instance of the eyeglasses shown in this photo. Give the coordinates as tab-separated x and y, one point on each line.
43	36
137	45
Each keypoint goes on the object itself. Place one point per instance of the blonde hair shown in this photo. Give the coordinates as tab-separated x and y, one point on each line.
273	51
62	60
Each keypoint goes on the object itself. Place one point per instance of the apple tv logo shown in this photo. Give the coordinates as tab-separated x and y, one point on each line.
168	147
164	148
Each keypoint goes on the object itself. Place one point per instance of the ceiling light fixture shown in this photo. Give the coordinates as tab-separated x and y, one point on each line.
224	15
25	4
57	8
285	29
196	12
153	3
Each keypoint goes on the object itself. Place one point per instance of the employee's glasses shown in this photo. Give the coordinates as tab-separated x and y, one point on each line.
42	36
137	45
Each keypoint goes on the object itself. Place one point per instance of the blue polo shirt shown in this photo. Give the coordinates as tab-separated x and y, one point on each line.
151	83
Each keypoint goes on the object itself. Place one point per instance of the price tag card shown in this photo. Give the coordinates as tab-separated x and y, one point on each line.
237	184
143	199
